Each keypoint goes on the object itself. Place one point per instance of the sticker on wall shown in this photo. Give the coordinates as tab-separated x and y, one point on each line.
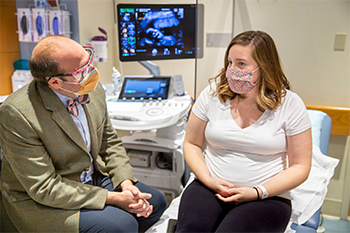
41	3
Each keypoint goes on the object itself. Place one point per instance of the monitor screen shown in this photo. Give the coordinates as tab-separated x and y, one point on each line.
144	88
159	31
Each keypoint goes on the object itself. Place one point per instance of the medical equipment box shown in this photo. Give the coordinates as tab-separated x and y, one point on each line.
20	78
139	158
24	23
59	22
40	22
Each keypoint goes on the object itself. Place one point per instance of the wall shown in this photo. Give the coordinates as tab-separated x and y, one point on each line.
304	34
9	46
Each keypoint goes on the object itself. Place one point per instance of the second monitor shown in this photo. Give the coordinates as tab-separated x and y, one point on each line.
136	88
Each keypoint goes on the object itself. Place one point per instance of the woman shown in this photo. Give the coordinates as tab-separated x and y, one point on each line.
250	121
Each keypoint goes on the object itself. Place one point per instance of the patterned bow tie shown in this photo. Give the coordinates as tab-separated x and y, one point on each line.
72	103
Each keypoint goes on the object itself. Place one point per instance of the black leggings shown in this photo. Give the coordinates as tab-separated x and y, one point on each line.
201	211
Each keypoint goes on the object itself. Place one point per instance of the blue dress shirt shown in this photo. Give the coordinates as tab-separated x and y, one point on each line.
83	127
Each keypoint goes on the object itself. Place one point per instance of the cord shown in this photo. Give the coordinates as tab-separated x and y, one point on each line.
163	162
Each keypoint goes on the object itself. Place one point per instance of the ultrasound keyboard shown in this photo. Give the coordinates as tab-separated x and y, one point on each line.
147	114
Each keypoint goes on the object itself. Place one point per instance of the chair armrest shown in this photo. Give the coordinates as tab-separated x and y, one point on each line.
314	220
310	226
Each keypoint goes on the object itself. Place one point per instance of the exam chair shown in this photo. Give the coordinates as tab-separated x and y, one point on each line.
321	131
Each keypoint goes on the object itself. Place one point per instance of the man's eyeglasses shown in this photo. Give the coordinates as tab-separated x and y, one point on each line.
83	71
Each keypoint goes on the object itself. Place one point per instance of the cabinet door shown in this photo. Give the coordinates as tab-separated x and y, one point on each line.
9	45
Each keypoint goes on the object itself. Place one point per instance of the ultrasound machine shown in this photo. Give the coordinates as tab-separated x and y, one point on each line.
155	107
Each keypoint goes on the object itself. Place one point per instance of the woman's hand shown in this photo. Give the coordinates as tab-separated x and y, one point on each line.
227	192
239	195
219	186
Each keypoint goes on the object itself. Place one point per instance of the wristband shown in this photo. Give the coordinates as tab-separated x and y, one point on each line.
265	193
257	191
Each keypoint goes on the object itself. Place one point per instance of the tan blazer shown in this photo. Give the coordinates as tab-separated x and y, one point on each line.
43	155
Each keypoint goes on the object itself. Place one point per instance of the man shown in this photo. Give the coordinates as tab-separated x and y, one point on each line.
66	169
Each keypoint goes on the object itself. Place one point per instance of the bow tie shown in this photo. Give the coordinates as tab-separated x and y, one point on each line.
72	103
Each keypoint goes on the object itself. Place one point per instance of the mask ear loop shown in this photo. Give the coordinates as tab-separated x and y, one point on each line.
255	69
253	73
72	92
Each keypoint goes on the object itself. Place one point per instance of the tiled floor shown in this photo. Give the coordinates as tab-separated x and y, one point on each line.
331	225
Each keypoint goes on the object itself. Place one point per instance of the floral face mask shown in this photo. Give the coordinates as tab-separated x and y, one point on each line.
240	81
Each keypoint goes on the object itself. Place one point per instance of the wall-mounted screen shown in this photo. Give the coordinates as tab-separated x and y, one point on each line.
159	31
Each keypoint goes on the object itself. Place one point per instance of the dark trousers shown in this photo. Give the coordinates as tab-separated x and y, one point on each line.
201	211
114	219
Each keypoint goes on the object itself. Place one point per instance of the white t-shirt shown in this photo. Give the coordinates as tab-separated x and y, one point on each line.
249	157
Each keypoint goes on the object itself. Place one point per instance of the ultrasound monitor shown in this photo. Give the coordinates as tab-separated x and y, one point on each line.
137	88
159	31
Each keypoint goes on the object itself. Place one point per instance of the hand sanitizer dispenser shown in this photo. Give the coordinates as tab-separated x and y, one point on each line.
100	44
116	77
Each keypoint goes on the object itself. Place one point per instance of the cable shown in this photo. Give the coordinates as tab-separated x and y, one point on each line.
164	162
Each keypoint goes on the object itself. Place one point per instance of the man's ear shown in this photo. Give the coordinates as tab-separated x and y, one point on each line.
54	84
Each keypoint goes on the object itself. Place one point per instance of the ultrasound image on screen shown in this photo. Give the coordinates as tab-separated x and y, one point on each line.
150	32
161	28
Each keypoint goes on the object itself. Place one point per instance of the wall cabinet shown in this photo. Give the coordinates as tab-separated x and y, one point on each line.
9	46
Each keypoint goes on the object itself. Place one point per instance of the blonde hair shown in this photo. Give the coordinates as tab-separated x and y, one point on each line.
272	84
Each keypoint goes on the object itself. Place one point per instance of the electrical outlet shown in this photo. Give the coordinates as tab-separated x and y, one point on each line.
340	41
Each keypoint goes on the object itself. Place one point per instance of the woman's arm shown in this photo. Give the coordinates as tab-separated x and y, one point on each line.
192	147
299	150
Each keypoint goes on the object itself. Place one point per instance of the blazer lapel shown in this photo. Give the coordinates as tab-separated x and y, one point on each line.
60	115
89	108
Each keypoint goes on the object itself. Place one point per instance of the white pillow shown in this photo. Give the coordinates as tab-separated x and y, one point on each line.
309	196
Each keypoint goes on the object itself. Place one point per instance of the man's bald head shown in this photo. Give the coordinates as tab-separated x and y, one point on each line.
47	55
